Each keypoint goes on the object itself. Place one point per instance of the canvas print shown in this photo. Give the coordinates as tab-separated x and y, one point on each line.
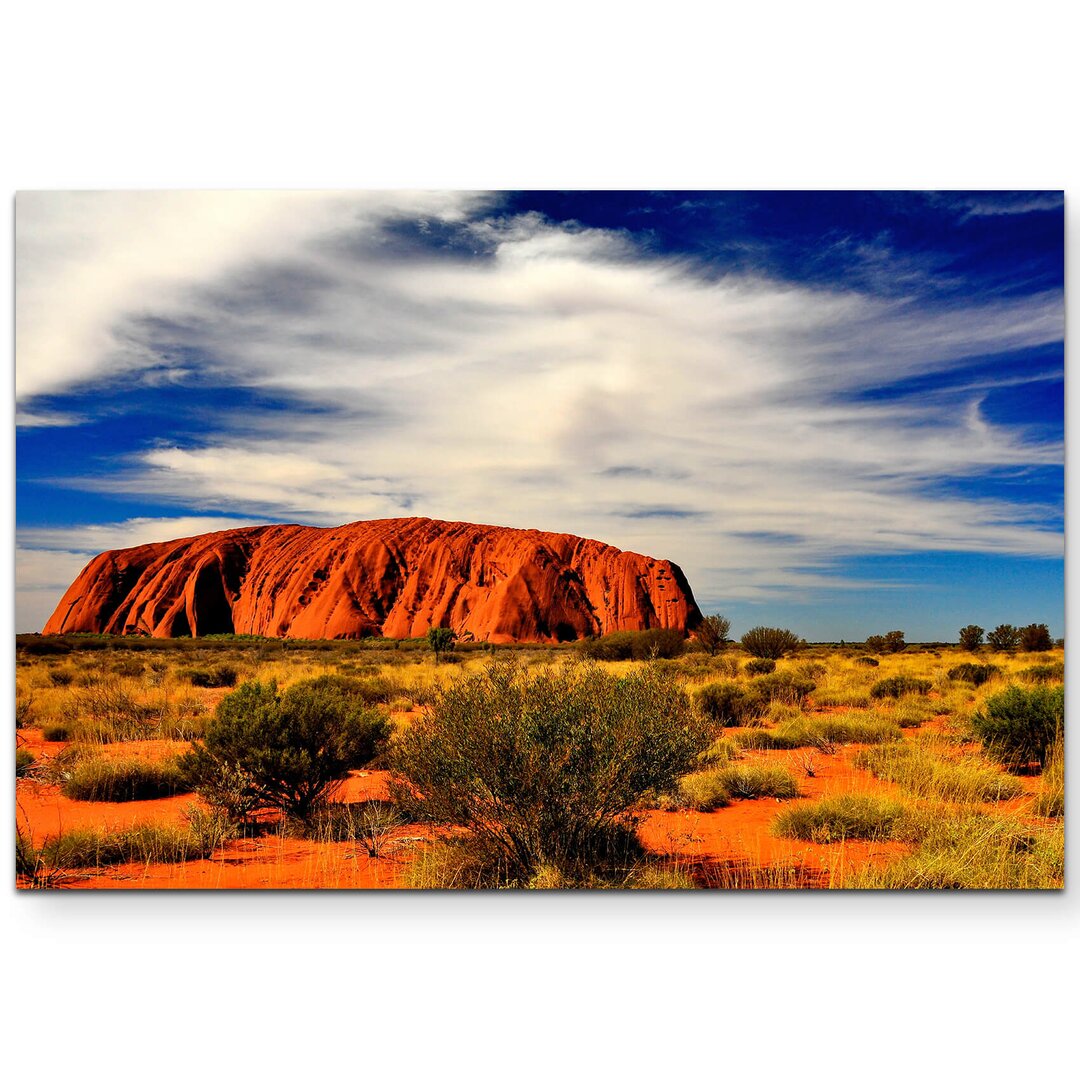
539	540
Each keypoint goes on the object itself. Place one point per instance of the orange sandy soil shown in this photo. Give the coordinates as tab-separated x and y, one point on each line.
711	846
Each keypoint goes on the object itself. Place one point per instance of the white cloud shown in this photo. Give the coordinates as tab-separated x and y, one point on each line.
562	380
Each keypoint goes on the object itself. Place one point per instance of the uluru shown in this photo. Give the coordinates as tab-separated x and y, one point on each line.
392	578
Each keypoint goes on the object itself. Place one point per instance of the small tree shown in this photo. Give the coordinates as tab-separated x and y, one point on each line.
894	641
769	642
1003	638
876	643
441	639
544	768
713	633
971	637
287	751
1036	638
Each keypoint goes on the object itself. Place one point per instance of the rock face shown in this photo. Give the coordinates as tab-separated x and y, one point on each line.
393	578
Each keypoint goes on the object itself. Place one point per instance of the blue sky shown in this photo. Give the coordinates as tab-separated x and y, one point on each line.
838	411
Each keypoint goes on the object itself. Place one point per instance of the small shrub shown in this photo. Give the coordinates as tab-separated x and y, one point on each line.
760	666
976	674
868	661
61	677
770	642
1019	727
222	675
24	762
811	670
841	817
99	779
728	703
704	791
783	686
899	685
719	753
287	751
1044	673
759	782
635	645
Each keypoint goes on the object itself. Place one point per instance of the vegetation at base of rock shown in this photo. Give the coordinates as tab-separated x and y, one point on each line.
635	645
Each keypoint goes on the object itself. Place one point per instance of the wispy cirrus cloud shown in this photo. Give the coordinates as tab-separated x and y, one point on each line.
460	362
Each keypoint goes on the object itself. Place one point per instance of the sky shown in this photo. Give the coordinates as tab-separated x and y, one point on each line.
839	412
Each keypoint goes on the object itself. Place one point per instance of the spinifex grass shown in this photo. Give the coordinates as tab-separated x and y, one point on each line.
102	779
922	772
970	850
714	788
820	731
842	817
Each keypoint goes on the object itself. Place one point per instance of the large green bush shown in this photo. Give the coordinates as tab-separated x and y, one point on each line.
769	642
545	767
729	703
267	749
1019	727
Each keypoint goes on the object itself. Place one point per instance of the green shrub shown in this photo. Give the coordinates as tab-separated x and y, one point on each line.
718	753
544	767
729	704
222	675
971	637
635	645
101	779
783	686
976	674
1019	727
760	666
868	661
704	791
371	690
841	817
899	685
287	751
24	761
770	642
1044	673
58	731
